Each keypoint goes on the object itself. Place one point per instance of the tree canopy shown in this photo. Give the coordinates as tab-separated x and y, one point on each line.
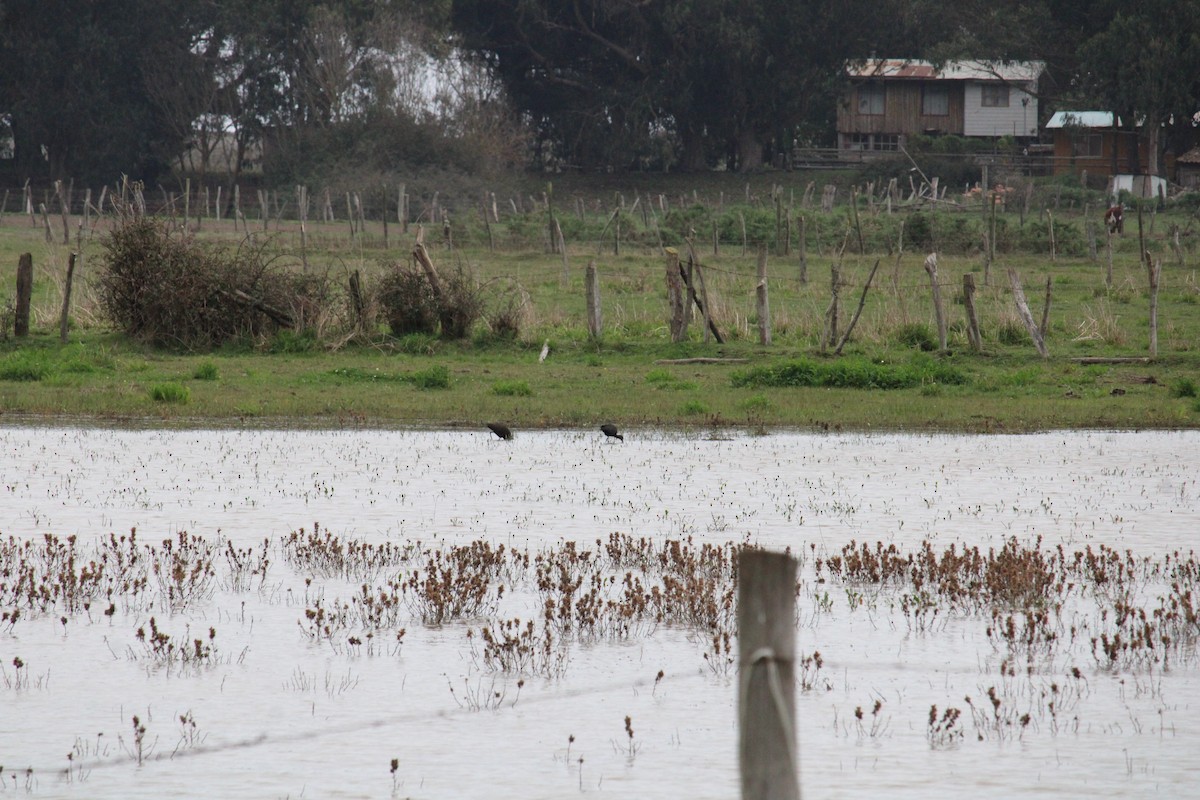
96	88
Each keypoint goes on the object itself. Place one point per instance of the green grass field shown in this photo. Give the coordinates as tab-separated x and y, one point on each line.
329	374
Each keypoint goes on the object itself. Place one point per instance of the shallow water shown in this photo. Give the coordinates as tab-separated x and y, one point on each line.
282	716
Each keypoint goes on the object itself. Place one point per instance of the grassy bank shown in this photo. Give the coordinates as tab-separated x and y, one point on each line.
891	375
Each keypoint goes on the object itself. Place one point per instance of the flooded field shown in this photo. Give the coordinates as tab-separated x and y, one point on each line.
436	614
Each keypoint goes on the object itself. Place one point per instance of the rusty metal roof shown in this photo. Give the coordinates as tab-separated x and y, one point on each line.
1190	157
912	69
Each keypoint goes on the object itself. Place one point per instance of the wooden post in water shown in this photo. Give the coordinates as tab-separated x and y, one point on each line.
973	337
66	307
938	311
766	618
591	283
24	294
763	307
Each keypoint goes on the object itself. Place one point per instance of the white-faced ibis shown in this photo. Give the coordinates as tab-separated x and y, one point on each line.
610	430
500	429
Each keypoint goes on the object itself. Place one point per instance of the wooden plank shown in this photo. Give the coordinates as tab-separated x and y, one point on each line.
766	618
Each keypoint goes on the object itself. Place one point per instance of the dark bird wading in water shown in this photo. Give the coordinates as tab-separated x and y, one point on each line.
610	430
500	429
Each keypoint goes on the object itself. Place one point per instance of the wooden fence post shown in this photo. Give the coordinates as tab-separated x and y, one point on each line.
862	301
66	307
675	297
1155	271
1046	306
973	337
939	312
24	294
1023	310
701	299
763	306
831	315
803	249
591	283
1050	229
766	618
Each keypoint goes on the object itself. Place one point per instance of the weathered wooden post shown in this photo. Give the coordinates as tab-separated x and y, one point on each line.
677	321
938	311
561	247
763	307
803	249
1155	271
1046	306
357	301
24	294
766	617
831	315
302	205
1026	317
862	302
64	205
46	222
66	307
591	284
1050	229
973	337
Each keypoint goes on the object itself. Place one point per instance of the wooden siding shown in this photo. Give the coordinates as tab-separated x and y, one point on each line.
902	111
1066	164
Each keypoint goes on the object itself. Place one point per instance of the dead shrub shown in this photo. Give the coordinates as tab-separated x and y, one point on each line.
170	290
408	301
411	305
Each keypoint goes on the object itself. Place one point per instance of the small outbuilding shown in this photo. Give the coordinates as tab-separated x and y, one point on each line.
1088	141
1187	169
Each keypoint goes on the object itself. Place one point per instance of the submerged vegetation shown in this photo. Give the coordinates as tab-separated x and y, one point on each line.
1051	615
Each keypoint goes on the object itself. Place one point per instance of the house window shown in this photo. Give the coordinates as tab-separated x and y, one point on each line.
873	141
995	95
935	100
1087	145
870	98
886	141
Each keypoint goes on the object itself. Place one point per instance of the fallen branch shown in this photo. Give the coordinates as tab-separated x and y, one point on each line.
279	316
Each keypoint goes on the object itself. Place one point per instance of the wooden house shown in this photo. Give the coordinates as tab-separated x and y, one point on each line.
889	100
1088	141
1187	169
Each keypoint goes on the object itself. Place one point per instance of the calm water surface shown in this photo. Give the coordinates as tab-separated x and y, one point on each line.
281	716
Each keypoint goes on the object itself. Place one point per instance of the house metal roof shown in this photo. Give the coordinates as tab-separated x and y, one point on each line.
912	69
1081	119
1190	157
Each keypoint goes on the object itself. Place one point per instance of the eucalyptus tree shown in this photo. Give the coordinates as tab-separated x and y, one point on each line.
72	79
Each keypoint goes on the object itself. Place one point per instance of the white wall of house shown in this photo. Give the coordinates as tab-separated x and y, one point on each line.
1019	118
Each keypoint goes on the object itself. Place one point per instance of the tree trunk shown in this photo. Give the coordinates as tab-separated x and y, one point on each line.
691	157
749	151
